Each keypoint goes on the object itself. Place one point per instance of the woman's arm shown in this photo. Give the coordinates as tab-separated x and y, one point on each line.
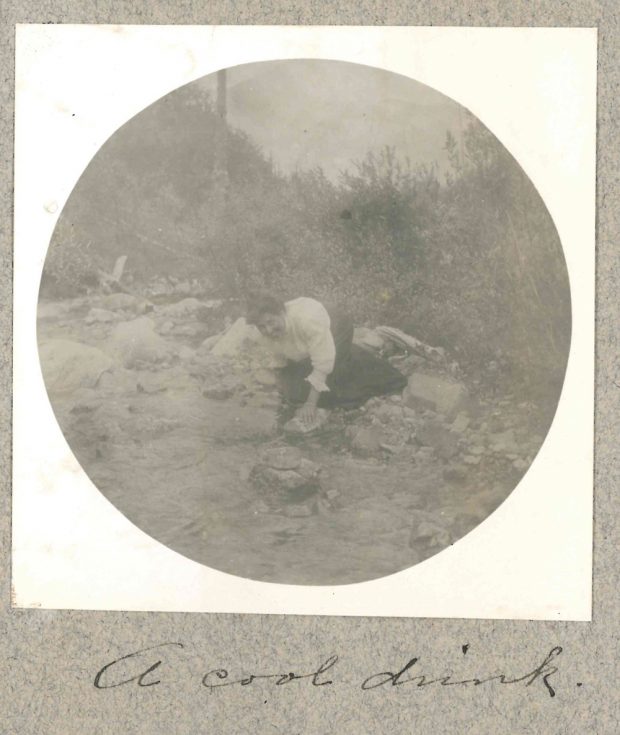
307	413
321	346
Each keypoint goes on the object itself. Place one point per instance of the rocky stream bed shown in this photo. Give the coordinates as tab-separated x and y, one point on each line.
174	414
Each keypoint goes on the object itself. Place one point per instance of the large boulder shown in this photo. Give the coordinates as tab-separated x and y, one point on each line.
443	395
68	366
136	343
240	337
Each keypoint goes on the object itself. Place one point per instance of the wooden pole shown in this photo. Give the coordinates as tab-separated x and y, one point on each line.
221	94
221	148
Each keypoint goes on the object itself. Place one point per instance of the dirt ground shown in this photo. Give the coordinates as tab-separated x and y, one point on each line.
171	443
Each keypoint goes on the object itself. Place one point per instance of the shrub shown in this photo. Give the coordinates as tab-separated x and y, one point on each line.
72	265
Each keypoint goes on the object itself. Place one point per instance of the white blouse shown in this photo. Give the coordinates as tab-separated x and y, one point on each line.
308	334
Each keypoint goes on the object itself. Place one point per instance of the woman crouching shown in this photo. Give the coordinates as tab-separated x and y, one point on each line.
319	364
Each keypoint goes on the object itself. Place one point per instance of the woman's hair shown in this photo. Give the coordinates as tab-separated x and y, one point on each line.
260	303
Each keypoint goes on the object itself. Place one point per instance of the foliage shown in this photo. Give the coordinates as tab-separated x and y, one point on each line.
468	260
72	266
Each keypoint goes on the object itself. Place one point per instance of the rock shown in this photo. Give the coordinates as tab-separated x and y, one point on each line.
189	329
429	531
324	505
144	307
149	427
460	423
118	381
520	464
297	426
52	310
84	407
237	424
447	450
282	458
244	473
265	377
221	390
476	449
388	412
136	342
261	507
455	369
368	339
68	366
238	338
425	454
166	327
119	301
263	400
301	510
391	448
472	459
409	364
160	287
183	308
209	343
429	433
434	434
434	534
287	482
504	443
495	425
173	379
308	469
367	441
101	316
455	474
184	287
438	394
186	353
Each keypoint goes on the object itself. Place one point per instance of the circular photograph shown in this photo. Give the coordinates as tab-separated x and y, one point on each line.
305	321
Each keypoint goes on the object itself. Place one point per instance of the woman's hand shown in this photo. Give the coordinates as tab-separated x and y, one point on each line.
307	413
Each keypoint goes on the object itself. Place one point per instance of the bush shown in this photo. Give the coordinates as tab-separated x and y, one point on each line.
469	260
72	266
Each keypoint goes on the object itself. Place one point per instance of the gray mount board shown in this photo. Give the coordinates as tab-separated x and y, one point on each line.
50	658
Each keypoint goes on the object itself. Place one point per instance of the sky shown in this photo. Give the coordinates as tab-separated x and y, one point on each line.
309	113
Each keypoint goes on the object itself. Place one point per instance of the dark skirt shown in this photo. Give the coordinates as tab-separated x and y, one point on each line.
357	375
